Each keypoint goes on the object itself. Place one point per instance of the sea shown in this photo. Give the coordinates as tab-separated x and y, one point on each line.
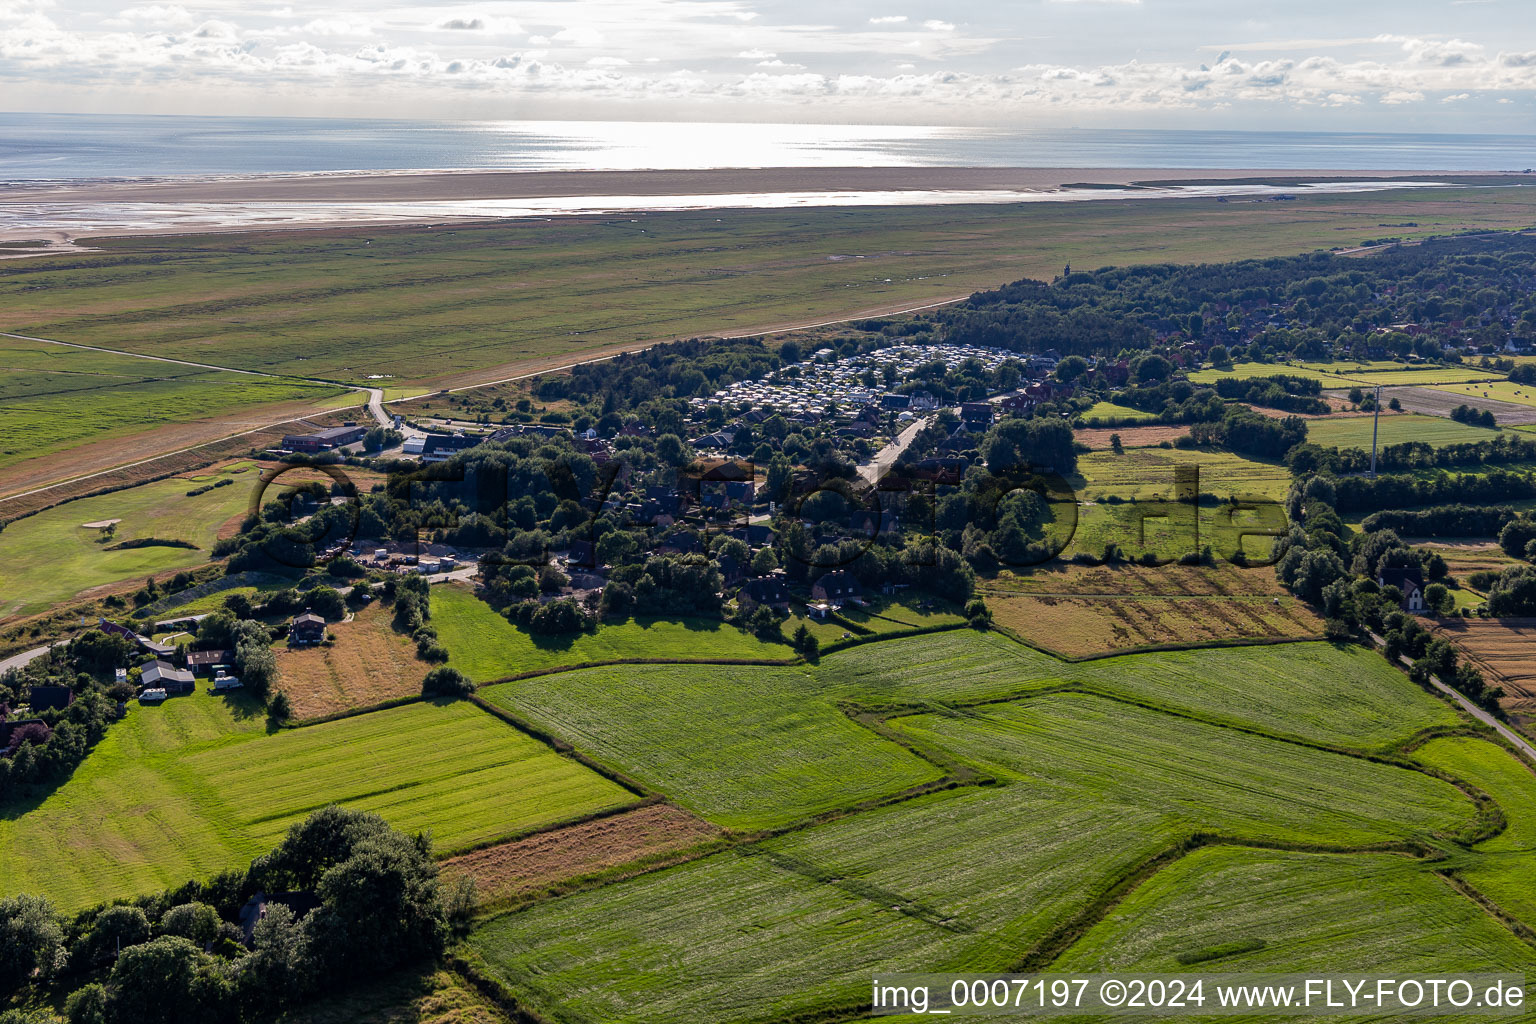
37	147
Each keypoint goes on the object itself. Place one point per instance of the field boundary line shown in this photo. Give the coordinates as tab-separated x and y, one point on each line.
1517	927
1193	645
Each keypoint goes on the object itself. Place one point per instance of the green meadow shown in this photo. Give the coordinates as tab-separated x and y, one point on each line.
746	747
53	397
52	556
1287	909
1355	431
970	879
486	647
196	785
446	301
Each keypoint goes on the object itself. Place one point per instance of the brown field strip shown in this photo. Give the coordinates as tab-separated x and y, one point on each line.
368	664
1505	650
1082	611
538	863
1097	438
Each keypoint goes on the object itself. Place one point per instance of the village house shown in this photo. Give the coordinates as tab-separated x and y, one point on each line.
162	675
1410	581
771	591
307	628
50	698
837	588
202	662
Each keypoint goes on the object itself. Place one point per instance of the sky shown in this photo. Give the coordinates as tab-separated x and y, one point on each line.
1346	65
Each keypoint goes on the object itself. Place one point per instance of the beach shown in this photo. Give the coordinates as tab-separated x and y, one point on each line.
59	212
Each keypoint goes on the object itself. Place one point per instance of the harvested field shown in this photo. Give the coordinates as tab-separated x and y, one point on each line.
645	836
1505	649
1511	404
1465	558
1084	627
1097	438
1355	431
368	664
1080	611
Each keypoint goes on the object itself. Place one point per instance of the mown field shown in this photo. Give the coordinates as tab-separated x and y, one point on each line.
1346	374
1498	390
52	556
1355	431
1500	867
485	646
1401	919
53	397
197	786
369	663
972	878
1110	411
745	747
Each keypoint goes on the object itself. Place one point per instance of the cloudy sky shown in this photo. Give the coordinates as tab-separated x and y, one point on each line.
1408	65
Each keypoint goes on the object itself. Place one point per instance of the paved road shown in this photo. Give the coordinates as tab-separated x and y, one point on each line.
886	457
24	658
1519	742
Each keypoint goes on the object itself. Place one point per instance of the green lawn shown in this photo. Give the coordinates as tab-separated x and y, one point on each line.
1149	474
485	646
1344	374
1243	371
968	879
52	556
1355	431
197	786
1397	916
746	747
1500	868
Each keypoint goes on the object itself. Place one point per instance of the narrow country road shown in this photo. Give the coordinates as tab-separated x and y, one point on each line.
1515	739
23	659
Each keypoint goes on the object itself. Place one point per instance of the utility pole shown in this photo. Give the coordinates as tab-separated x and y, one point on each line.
1375	430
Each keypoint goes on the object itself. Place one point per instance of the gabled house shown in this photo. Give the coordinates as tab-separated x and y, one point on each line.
837	588
1408	580
767	590
306	628
162	675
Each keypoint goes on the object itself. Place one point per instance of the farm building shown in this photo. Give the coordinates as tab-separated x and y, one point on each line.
324	440
440	447
306	628
162	675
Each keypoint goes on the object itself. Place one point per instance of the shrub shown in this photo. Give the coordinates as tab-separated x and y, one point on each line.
444	681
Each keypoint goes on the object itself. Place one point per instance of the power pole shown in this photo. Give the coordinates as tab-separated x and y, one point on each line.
1375	430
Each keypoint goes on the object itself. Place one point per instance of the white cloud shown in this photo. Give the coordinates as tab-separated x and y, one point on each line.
757	55
155	15
1397	96
1456	98
778	64
888	19
608	62
579	35
935	25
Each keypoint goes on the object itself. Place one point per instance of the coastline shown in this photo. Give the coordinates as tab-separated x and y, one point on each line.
59	212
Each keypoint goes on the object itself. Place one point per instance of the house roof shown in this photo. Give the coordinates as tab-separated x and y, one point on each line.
308	619
164	672
208	657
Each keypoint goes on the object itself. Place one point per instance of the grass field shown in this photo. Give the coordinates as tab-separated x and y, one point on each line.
369	663
471	297
1111	411
1123	500
1345	374
1243	371
745	747
971	878
1355	431
196	786
1401	919
52	556
485	646
1498	390
1500	867
1315	691
53	397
